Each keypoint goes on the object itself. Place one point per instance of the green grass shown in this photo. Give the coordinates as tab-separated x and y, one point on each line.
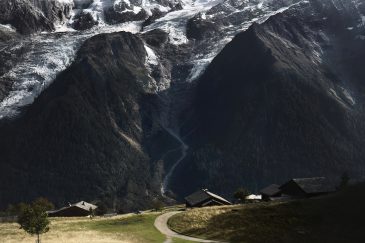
140	226
125	228
338	218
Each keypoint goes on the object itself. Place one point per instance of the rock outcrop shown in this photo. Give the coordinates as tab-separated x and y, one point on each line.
25	17
83	21
28	17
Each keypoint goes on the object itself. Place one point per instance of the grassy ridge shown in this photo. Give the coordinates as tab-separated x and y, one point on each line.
335	218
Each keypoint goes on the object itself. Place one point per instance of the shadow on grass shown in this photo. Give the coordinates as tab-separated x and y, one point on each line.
336	218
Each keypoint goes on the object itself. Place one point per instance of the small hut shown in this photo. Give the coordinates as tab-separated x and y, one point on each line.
74	210
307	187
270	193
204	198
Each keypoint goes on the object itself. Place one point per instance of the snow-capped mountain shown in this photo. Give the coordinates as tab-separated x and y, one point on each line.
175	89
47	54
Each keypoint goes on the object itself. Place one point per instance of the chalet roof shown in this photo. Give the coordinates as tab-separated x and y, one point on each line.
85	205
82	204
202	195
271	190
313	185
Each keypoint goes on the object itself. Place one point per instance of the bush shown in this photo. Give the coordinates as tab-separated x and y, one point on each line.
157	205
44	204
34	219
241	194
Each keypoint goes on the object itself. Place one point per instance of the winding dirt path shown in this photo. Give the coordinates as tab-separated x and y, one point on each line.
161	225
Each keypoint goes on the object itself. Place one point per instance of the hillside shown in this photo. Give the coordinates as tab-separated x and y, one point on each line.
283	99
337	218
88	136
128	228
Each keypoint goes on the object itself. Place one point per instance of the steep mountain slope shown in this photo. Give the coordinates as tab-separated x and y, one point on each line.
126	118
283	99
86	136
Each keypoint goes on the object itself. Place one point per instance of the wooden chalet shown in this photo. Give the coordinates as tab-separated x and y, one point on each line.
270	193
74	210
307	187
204	198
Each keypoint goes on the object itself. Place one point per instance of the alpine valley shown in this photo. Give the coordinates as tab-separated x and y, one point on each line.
129	101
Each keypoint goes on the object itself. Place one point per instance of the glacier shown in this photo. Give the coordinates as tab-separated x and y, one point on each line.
49	53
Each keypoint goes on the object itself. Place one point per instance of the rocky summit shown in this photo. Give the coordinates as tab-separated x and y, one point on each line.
126	102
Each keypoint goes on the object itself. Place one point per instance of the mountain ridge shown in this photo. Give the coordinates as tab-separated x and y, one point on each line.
128	112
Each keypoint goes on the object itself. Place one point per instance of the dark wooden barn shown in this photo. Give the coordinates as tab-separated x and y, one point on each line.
204	198
73	210
270	193
307	187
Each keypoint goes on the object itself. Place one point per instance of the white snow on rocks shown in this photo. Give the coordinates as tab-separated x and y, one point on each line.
202	60
96	9
343	96
49	55
66	1
7	27
151	56
52	53
174	22
37	70
152	64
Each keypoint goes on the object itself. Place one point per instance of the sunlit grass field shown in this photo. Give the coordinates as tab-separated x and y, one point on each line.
124	228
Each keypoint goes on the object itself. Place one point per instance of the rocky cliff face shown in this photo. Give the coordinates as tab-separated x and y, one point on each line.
25	17
283	99
28	17
88	135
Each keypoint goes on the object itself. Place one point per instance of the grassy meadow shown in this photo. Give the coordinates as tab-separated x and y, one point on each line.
124	228
337	218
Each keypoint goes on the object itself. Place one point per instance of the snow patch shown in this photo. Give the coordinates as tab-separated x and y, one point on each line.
175	22
65	1
152	64
148	6
348	96
7	27
343	96
151	56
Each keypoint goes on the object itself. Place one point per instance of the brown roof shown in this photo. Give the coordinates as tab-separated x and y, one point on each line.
313	185
271	190
202	195
82	204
